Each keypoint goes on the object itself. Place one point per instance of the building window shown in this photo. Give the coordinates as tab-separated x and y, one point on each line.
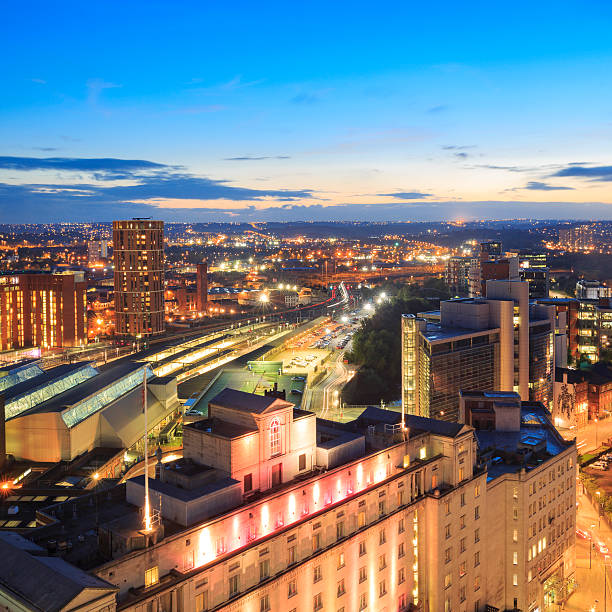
340	590
151	576
515	558
400	526
341	562
339	530
302	462
401	576
292	588
363	602
462	521
382	562
515	535
515	579
361	519
400	550
248	483
447	555
382	538
275	441
264	604
363	574
477	583
317	574
362	548
292	555
233	585
447	532
316	541
382	588
447	581
476	536
476	559
463	499
201	602
317	602
462	545
476	513
264	569
462	569
462	593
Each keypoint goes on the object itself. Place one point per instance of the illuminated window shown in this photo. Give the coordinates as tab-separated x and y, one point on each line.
275	446
151	576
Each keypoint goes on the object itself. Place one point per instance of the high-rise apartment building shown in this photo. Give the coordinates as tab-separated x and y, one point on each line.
97	250
138	255
457	274
44	310
271	508
500	343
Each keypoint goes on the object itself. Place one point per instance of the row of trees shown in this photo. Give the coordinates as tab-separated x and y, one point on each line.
377	345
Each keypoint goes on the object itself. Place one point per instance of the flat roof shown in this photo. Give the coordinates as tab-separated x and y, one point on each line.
535	428
435	332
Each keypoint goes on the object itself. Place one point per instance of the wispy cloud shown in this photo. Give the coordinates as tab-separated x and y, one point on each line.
79	164
406	195
305	98
95	87
39	81
539	186
595	173
438	109
249	158
458	147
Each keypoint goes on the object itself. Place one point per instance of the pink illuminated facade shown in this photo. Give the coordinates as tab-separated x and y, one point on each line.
273	509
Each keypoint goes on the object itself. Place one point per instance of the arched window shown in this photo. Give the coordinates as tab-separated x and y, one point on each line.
275	447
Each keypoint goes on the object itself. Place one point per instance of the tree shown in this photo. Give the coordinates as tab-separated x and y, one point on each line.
377	346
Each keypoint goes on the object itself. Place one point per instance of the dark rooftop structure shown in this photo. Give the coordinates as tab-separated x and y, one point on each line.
247	402
44	583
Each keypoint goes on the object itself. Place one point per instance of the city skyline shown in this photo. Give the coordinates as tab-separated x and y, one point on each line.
320	114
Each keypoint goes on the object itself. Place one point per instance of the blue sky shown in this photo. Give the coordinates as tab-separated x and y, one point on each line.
198	111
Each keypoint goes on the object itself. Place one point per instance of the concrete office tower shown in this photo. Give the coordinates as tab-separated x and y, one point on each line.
139	277
202	286
500	341
46	310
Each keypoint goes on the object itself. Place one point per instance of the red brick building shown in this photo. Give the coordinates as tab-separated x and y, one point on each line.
46	310
139	277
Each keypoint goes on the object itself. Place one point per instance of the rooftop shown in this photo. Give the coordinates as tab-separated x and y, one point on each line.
435	331
222	429
507	452
46	583
247	402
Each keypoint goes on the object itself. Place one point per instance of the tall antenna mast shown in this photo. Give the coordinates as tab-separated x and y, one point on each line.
147	509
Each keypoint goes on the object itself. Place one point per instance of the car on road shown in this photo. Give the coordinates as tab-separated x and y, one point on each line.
297	392
193	413
296	378
603	549
583	534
